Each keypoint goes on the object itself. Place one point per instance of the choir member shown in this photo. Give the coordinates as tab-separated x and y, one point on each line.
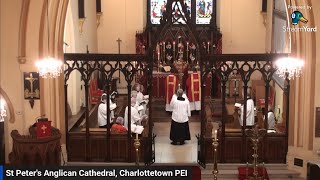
118	126
179	131
135	115
102	111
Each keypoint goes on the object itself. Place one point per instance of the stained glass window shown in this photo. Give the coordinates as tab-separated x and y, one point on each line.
157	8
203	11
201	8
177	12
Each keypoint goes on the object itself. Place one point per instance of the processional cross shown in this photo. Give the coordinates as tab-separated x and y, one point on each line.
119	48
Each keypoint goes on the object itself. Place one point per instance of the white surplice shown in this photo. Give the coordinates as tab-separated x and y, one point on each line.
180	110
249	114
102	113
135	116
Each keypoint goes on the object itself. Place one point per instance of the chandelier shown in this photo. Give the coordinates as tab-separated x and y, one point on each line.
3	112
289	67
49	67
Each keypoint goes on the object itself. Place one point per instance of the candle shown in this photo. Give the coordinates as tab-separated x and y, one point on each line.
174	45
137	136
158	56
187	46
208	47
215	134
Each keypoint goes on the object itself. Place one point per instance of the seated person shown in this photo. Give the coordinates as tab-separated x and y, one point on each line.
102	111
118	126
135	115
271	118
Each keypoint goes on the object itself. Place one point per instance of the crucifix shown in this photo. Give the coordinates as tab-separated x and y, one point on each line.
31	92
31	79
119	47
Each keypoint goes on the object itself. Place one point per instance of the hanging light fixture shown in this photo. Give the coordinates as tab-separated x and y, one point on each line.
49	67
289	67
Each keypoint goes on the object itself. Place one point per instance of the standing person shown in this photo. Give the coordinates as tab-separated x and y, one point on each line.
179	131
271	118
102	111
249	114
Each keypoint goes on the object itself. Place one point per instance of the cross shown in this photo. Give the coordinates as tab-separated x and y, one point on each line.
31	79
119	41
43	128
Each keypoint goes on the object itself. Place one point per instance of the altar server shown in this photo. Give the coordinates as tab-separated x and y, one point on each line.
102	111
179	131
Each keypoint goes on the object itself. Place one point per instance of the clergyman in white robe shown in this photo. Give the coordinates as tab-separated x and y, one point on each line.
249	114
179	131
271	119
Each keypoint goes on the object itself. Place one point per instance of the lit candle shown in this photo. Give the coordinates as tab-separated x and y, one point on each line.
158	56
174	45
215	134
187	46
208	47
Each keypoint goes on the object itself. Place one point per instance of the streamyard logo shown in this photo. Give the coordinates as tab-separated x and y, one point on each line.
297	17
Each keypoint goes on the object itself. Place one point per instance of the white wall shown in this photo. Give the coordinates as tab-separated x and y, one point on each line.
78	42
120	19
242	26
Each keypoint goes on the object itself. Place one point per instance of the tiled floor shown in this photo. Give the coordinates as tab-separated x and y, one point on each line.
167	153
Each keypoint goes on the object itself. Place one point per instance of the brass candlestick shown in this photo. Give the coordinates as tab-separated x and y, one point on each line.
255	135
136	145
215	145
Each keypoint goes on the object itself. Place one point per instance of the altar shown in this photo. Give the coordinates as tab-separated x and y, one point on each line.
159	80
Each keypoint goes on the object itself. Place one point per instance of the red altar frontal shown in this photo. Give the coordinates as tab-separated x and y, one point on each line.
159	81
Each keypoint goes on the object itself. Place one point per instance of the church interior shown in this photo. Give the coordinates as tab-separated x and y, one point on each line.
94	82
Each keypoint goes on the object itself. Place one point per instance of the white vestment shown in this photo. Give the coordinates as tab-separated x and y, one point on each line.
174	97
102	113
249	114
140	98
180	110
271	120
135	117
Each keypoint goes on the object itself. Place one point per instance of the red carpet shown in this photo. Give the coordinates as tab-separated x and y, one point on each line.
244	171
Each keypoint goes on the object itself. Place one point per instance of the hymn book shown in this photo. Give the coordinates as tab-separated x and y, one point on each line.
136	129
